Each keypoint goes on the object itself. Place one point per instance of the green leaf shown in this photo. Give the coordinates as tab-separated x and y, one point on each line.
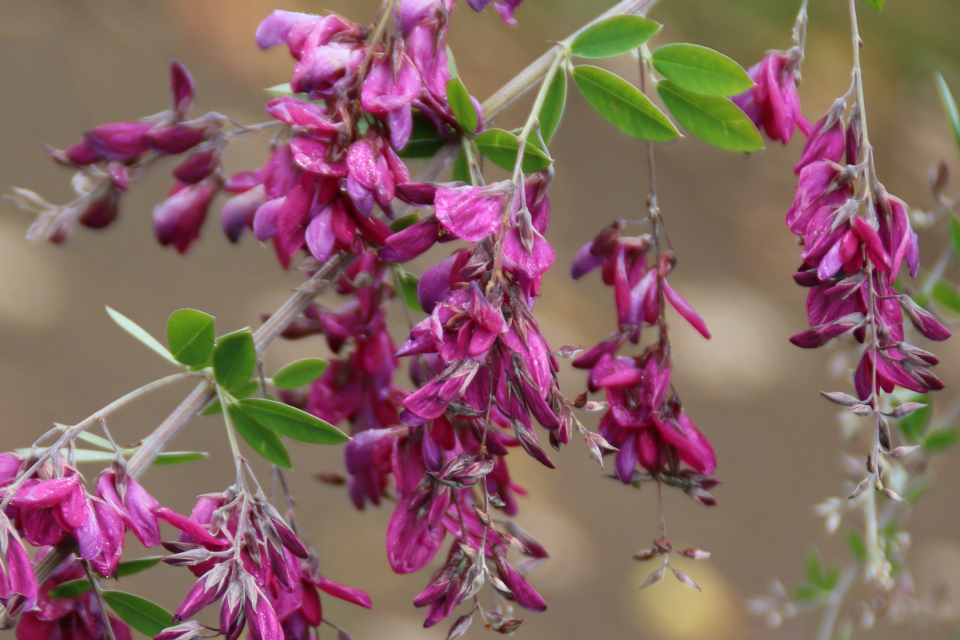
623	105
876	4
402	223
90	438
190	336
940	440
291	422
408	288
146	617
946	294
830	578
299	373
713	119
243	392
701	70
917	487
955	234
950	107
70	589
130	567
502	146
280	90
814	568
807	593
424	140
234	359
461	169
262	439
134	329
613	36
462	107
914	426
856	544
553	103
168	458
87	455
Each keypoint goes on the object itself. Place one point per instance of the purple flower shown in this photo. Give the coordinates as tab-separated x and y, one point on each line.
774	103
178	219
472	213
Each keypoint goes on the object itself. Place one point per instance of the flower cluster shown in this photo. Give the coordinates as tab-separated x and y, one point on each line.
77	618
246	555
50	505
645	420
850	263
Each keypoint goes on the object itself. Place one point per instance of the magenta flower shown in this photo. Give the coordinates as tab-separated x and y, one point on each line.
78	618
472	213
773	103
504	7
178	219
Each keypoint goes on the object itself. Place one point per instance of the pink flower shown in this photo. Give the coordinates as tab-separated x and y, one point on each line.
774	103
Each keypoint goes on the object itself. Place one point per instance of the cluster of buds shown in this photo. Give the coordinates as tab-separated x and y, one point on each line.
246	555
112	156
645	421
48	504
850	262
79	618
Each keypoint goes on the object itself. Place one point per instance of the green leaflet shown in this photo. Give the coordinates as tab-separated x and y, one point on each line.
262	439
713	119
290	421
701	70
553	104
613	36
299	373
502	147
146	617
623	105
234	359
190	336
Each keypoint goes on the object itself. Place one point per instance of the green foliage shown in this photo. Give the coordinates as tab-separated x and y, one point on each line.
876	4
623	105
950	107
858	548
424	139
553	104
917	487
190	336
613	36
168	458
461	168
405	222
713	119
914	426
701	70
502	148
408	288
461	106
146	617
134	329
243	392
946	294
70	589
262	439
940	440
299	373
234	359
130	567
290	421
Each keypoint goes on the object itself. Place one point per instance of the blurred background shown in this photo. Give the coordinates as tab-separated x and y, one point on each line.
72	64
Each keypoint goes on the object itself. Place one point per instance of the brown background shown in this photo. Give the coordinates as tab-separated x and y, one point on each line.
70	65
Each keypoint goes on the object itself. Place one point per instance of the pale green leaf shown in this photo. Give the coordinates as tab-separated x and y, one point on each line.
553	104
134	329
234	359
950	107
190	336
262	439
